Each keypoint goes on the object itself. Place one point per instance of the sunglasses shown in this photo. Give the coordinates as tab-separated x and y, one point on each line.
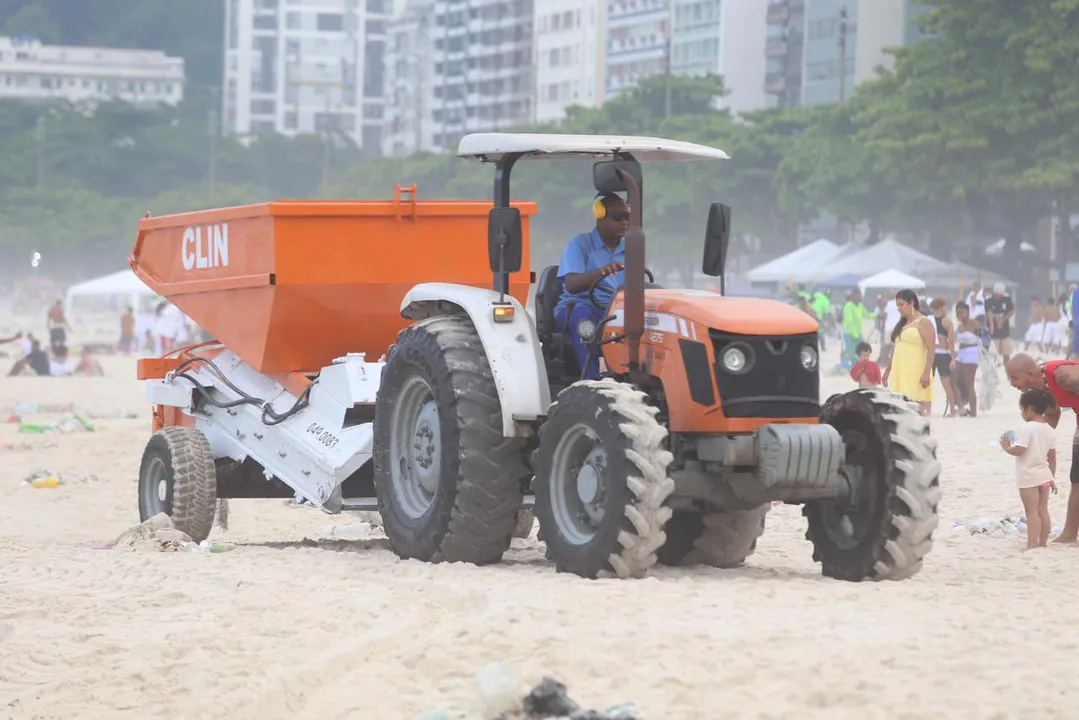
621	216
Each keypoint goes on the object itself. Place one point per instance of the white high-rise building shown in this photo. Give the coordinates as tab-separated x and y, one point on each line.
570	56
306	66
33	71
727	38
638	42
483	77
410	75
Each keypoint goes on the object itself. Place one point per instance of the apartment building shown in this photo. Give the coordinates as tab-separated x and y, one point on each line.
570	56
410	76
483	77
723	37
845	42
784	51
638	42
306	66
33	71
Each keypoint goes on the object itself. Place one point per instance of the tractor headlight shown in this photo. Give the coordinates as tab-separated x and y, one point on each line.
586	329
734	360
809	357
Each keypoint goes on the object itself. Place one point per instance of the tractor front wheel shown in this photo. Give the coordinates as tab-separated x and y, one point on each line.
601	480
884	530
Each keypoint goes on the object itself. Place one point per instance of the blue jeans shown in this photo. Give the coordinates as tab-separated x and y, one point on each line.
582	310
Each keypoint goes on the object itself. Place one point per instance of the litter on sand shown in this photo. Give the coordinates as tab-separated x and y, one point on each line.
71	423
157	534
502	696
47	478
1007	525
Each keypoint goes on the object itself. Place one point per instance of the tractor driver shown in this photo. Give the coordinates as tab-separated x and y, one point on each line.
595	256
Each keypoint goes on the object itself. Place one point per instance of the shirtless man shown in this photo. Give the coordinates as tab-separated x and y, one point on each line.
1061	379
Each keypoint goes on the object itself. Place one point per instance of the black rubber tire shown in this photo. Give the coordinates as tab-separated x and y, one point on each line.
901	457
682	531
720	539
191	480
635	513
474	510
730	537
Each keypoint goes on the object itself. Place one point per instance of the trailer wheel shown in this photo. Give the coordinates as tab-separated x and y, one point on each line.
601	480
886	529
448	483
178	477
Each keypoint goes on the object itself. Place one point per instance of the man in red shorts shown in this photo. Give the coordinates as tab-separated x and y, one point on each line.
1061	379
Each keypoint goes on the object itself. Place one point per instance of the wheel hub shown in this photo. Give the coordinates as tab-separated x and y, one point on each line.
426	460
578	488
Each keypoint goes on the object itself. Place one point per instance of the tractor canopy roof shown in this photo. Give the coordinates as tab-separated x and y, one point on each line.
492	147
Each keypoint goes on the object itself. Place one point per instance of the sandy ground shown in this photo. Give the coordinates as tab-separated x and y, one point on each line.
279	628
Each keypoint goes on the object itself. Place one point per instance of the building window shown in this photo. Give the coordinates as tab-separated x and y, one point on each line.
293	21
265	22
331	22
290	120
263	107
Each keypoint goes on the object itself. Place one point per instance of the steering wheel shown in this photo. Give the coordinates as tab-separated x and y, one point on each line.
592	291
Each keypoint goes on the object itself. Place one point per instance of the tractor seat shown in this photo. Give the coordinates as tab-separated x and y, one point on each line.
548	292
547	295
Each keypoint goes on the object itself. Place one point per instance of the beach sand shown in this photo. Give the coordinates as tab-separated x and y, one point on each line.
283	628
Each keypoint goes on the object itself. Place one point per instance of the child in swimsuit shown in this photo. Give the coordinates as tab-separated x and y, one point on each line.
865	372
1035	463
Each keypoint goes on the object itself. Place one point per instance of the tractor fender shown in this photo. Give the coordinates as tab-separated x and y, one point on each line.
512	348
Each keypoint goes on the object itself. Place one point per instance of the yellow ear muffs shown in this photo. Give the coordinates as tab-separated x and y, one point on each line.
599	210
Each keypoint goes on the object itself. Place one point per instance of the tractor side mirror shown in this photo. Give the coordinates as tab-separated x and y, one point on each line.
717	237
605	175
504	239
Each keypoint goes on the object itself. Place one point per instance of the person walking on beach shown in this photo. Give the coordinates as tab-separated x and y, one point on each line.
1035	463
944	357
967	339
999	308
910	371
58	325
854	316
1061	379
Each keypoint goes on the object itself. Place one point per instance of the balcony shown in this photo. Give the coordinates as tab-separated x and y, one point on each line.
778	12
775	83
775	47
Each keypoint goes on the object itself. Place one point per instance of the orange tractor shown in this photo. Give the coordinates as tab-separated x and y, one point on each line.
707	412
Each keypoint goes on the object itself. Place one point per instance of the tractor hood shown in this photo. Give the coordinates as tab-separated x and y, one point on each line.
743	316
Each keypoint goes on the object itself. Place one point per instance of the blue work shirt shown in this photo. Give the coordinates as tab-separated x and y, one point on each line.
585	253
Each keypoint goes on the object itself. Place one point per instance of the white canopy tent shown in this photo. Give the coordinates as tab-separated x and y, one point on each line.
119	284
799	265
891	280
885	255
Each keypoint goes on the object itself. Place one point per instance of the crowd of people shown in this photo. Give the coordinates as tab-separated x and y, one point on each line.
922	338
166	330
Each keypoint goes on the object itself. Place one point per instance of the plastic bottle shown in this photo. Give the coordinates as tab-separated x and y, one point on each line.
45	482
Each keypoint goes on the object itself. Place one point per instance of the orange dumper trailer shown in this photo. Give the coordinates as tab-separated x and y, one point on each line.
380	355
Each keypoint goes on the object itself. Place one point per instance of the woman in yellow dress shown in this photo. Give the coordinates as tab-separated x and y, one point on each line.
914	338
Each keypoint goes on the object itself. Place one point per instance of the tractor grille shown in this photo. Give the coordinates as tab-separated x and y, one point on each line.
774	383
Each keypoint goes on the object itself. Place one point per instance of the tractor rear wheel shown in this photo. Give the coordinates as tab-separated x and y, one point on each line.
885	530
448	483
178	477
601	480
